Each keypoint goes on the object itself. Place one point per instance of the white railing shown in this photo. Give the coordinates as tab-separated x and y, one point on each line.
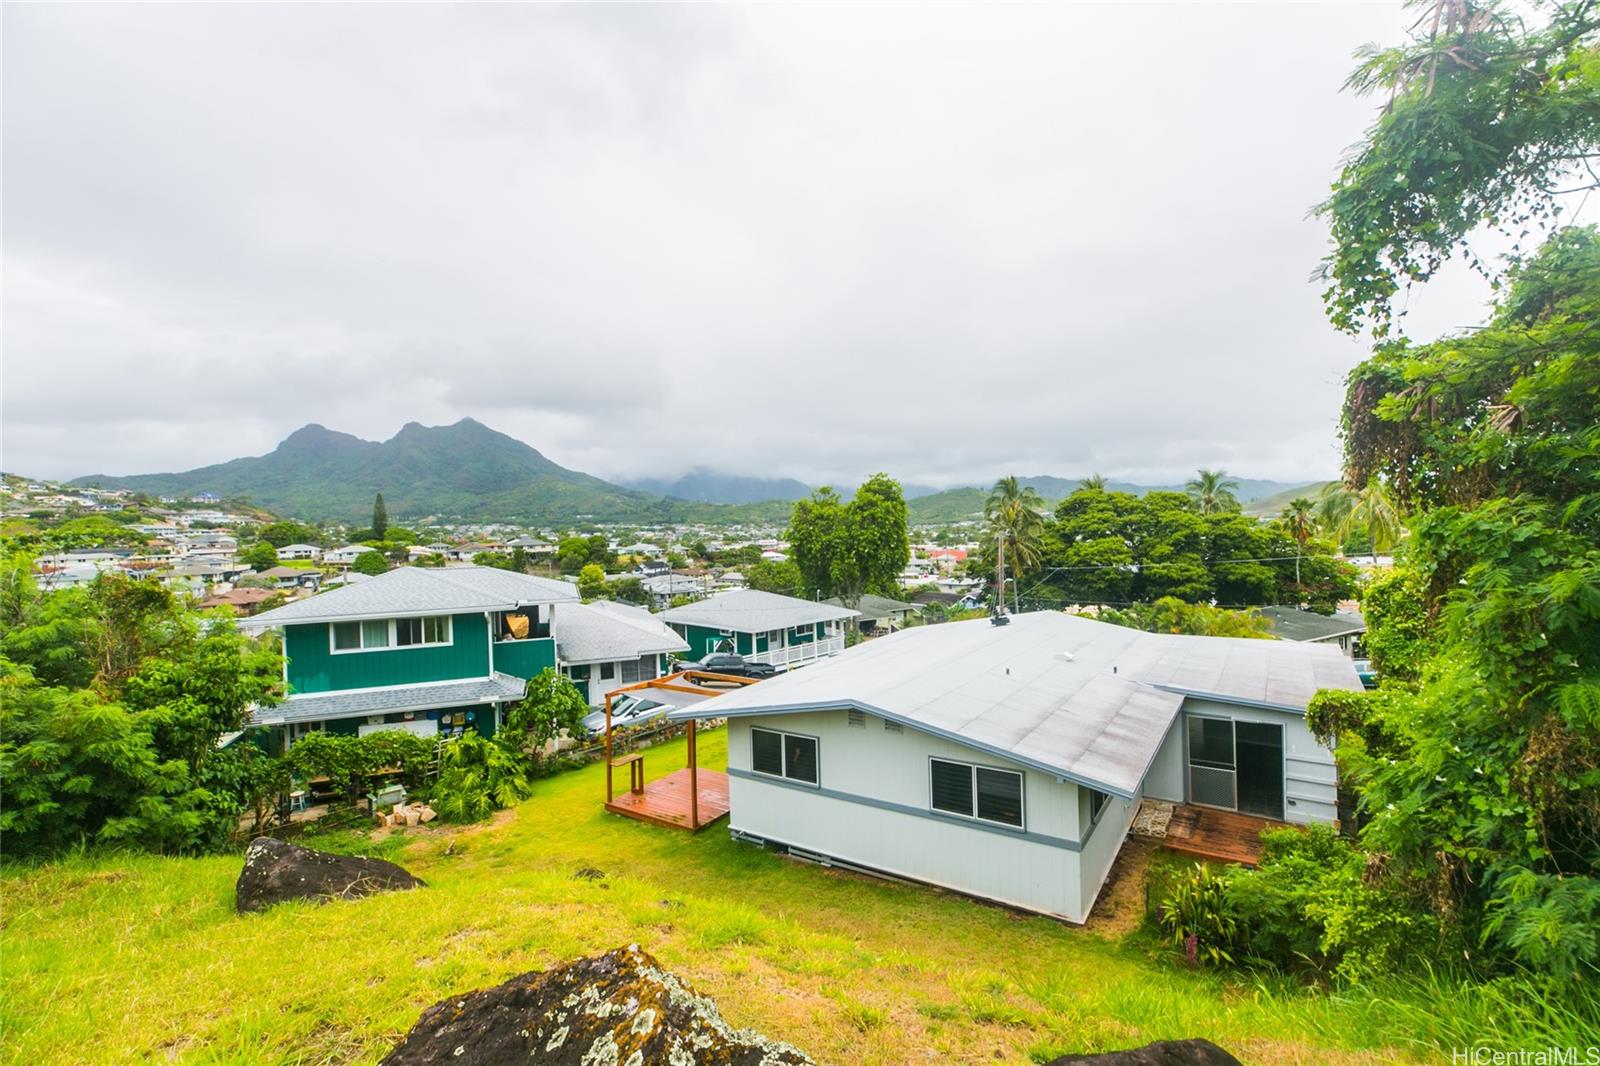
800	654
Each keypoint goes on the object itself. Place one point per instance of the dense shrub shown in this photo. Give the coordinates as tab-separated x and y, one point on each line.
478	777
1311	906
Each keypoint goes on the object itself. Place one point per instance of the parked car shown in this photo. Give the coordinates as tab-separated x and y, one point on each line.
626	712
731	665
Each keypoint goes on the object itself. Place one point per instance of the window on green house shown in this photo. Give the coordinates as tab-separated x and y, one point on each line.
374	634
347	636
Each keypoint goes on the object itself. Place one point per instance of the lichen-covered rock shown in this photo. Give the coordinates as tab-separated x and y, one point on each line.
616	1009
1161	1053
275	871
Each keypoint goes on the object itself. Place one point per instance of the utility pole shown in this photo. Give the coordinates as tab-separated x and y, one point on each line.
1000	572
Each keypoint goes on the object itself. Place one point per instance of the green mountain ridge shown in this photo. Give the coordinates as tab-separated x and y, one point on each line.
470	472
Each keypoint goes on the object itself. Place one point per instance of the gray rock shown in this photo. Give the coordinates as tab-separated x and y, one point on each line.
1161	1053
620	1007
275	871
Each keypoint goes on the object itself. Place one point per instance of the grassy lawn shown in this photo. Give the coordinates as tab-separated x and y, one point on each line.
121	959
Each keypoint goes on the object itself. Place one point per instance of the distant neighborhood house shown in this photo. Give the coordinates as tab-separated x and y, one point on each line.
603	645
762	626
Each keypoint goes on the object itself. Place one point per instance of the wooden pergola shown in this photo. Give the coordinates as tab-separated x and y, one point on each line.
690	798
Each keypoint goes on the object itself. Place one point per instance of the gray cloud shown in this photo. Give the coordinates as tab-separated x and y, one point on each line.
815	242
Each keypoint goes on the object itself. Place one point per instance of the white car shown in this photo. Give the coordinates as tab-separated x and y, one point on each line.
626	712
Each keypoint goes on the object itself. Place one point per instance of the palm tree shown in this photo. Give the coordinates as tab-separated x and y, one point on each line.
1374	509
1092	483
1212	491
1013	513
1333	505
1300	520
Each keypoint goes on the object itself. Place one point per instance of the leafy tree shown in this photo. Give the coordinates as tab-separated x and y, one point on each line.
552	707
771	576
1172	615
1213	491
848	549
628	590
380	518
1013	516
371	563
112	697
1477	762
1486	120
494	560
1092	483
259	556
591	582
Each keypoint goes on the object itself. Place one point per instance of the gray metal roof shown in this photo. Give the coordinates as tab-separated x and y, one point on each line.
1291	623
878	608
360	702
416	590
752	611
607	632
1085	700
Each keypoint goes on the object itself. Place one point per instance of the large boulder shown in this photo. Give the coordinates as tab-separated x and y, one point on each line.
1161	1053
620	1007
275	871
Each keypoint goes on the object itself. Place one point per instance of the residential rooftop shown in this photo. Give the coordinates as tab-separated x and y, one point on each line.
607	632
415	590
752	611
1291	623
1083	700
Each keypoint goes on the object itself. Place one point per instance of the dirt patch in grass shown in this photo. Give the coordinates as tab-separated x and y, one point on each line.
1120	908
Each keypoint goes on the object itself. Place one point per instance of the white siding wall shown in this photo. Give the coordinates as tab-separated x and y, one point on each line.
866	773
1166	778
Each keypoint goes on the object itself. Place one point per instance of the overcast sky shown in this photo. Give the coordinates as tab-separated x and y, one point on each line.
807	241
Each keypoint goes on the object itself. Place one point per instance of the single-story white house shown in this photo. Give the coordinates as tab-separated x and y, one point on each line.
1007	761
346	555
603	645
300	551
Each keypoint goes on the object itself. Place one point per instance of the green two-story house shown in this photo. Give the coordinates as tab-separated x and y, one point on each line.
432	651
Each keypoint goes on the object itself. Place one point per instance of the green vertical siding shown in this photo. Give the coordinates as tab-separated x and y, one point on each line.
314	668
524	658
701	640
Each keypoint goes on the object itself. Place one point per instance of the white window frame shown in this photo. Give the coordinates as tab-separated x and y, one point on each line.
972	770
393	645
783	751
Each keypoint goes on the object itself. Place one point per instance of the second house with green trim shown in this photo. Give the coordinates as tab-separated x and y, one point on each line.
761	626
431	651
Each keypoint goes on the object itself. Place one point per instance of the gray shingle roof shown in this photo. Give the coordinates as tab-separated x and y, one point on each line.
360	702
1291	623
605	632
1085	700
752	611
415	590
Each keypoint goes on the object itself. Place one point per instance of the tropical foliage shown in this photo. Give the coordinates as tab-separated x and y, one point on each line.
1013	518
112	698
1486	120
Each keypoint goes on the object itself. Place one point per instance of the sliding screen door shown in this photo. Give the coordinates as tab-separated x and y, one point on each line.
1212	773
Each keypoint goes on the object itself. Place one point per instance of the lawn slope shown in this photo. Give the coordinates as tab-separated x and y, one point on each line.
110	959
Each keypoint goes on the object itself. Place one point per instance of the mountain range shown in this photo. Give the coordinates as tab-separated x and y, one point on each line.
471	472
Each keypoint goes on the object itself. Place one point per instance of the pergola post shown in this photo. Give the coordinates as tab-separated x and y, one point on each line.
608	747
694	782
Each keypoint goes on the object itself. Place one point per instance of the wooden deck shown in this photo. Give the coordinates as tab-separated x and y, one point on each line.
665	801
1217	836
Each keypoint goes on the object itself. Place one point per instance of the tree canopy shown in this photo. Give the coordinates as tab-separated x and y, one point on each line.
849	549
1487	121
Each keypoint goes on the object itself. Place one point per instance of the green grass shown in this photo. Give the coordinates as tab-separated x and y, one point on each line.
118	959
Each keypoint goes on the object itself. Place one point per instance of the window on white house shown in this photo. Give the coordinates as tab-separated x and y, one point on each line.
1097	803
784	755
980	792
608	671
